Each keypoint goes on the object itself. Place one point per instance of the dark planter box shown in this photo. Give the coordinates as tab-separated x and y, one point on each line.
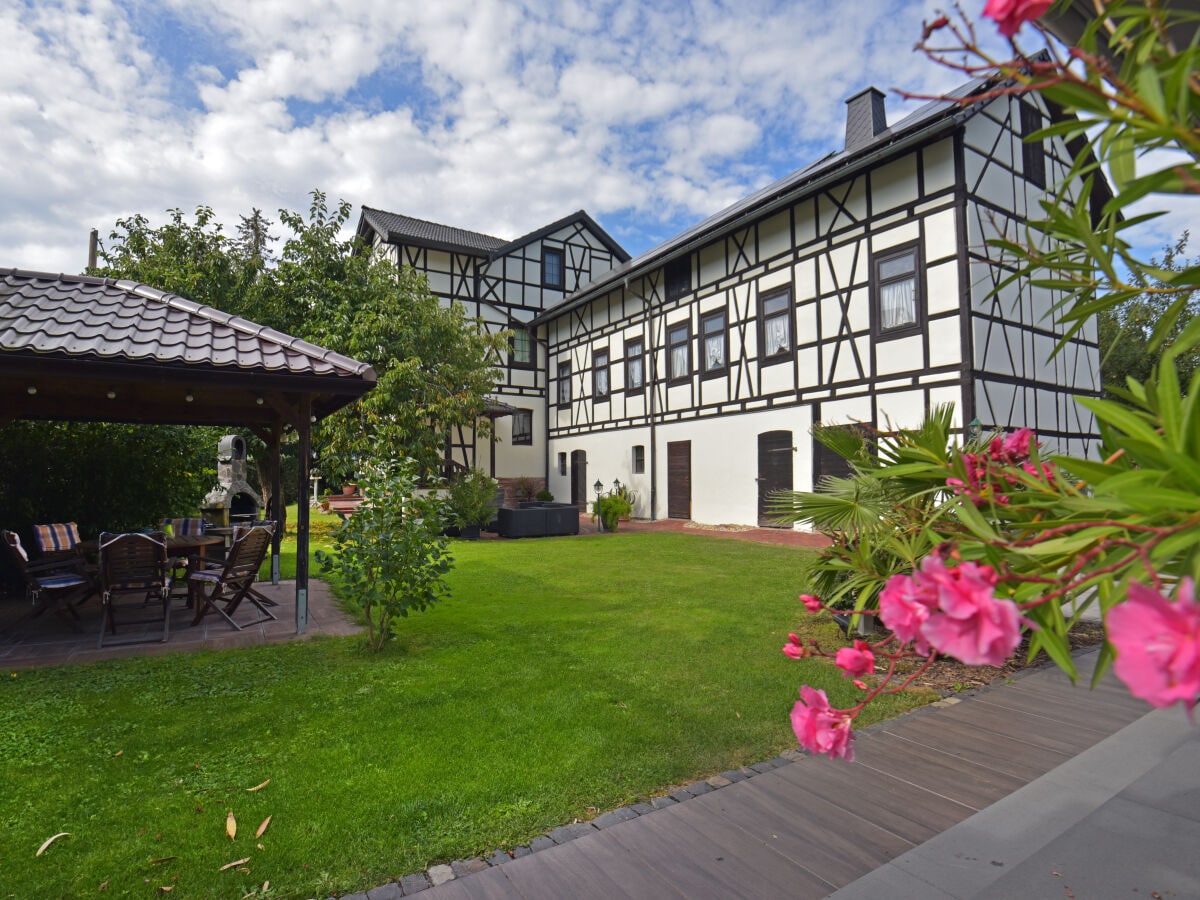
539	519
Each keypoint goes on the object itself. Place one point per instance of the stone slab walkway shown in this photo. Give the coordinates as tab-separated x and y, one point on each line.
806	827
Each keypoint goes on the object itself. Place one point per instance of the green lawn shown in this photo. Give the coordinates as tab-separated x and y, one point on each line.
563	678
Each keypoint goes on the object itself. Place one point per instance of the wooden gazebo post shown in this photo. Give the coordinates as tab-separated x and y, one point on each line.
304	432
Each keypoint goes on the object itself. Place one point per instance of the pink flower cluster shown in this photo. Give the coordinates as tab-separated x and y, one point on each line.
1158	645
953	610
820	728
990	474
1010	15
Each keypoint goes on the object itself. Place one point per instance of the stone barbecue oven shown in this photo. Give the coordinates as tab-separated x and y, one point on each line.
232	501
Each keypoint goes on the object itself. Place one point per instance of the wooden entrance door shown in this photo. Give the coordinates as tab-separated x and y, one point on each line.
774	471
579	485
679	479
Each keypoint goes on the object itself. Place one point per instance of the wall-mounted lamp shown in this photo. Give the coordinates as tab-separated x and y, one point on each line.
111	394
258	400
189	396
31	390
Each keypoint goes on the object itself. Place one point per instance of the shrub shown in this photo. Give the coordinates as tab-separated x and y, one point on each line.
545	496
471	499
389	554
610	509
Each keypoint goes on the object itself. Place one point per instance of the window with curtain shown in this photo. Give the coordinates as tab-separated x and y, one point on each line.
776	318
712	328
600	374
896	290
639	459
564	384
679	346
522	427
635	373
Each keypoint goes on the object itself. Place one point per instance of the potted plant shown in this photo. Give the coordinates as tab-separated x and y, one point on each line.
609	510
472	502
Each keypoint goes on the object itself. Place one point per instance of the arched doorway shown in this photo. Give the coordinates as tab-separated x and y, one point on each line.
579	485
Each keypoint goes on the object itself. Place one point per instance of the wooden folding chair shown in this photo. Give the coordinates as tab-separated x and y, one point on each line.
134	565
57	584
233	582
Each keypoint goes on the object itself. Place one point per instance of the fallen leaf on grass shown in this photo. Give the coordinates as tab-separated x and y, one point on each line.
258	787
49	841
103	886
262	827
166	889
162	859
231	825
118	753
236	862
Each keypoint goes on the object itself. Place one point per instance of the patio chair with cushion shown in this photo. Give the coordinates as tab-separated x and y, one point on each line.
233	581
134	566
181	566
56	584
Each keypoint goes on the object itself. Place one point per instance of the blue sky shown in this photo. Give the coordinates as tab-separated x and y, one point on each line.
494	116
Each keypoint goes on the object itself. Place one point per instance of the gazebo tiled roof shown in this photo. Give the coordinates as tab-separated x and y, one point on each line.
69	341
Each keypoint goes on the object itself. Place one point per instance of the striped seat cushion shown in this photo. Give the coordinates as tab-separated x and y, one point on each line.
214	575
61	581
57	537
183	527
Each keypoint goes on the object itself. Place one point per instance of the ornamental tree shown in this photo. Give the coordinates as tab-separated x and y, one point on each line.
1012	544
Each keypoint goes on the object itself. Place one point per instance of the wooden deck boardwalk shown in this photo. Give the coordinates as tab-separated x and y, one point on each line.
809	827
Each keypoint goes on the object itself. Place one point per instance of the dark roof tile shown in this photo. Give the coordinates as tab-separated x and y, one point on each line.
81	316
395	227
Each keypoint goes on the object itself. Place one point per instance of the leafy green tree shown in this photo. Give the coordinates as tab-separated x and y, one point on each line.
1134	334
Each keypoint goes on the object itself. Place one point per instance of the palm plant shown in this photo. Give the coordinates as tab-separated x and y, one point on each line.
877	516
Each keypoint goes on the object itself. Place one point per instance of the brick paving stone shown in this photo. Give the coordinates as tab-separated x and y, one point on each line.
680	795
792	755
414	884
734	775
499	858
624	814
780	761
565	833
696	788
719	781
518	852
440	874
763	767
391	891
641	808
463	867
662	802
359	896
541	843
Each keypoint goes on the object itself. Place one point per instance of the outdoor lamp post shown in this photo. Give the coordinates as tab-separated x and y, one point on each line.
598	487
616	485
974	429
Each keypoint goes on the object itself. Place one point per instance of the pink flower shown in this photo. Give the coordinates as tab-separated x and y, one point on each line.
903	609
819	728
1010	15
811	603
970	624
794	647
1158	645
856	660
954	610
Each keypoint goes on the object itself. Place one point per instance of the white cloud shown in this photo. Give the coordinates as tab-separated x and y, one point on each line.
480	113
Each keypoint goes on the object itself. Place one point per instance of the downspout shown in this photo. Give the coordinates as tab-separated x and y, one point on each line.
648	339
545	345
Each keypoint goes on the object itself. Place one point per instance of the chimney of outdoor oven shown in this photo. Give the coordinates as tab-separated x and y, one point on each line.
865	118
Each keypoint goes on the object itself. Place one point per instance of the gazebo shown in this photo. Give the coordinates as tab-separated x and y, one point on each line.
74	347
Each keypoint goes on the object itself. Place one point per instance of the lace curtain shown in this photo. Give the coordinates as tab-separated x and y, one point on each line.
601	382
635	373
714	352
777	335
679	361
896	304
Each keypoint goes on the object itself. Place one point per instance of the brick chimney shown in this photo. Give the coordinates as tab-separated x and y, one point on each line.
865	118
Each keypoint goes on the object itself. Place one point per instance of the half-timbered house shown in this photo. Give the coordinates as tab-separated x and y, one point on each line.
857	290
503	284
